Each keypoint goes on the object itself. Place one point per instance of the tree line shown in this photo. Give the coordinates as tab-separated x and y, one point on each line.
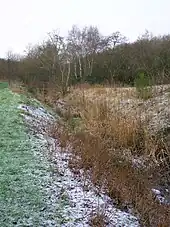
87	56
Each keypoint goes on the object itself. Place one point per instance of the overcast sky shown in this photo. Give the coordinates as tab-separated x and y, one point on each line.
28	21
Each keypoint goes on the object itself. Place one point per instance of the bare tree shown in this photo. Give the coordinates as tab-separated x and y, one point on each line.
116	39
12	65
84	45
74	42
55	57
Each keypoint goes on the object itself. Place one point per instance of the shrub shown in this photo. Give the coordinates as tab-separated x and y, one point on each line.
143	86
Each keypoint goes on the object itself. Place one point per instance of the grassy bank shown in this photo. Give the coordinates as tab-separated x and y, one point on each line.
23	174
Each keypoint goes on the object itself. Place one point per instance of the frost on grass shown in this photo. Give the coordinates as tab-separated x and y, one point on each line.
24	172
66	194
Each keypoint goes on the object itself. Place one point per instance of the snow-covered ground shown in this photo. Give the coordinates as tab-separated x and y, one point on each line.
79	202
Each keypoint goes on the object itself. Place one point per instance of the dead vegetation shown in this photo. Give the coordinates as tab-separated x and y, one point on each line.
116	149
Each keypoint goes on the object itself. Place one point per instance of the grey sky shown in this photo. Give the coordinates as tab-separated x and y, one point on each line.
28	21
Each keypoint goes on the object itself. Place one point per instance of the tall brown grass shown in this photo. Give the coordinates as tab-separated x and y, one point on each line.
106	143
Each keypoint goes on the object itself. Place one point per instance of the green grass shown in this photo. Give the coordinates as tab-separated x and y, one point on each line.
4	85
22	172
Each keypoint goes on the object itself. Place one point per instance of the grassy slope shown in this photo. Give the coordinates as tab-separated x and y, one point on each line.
22	173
